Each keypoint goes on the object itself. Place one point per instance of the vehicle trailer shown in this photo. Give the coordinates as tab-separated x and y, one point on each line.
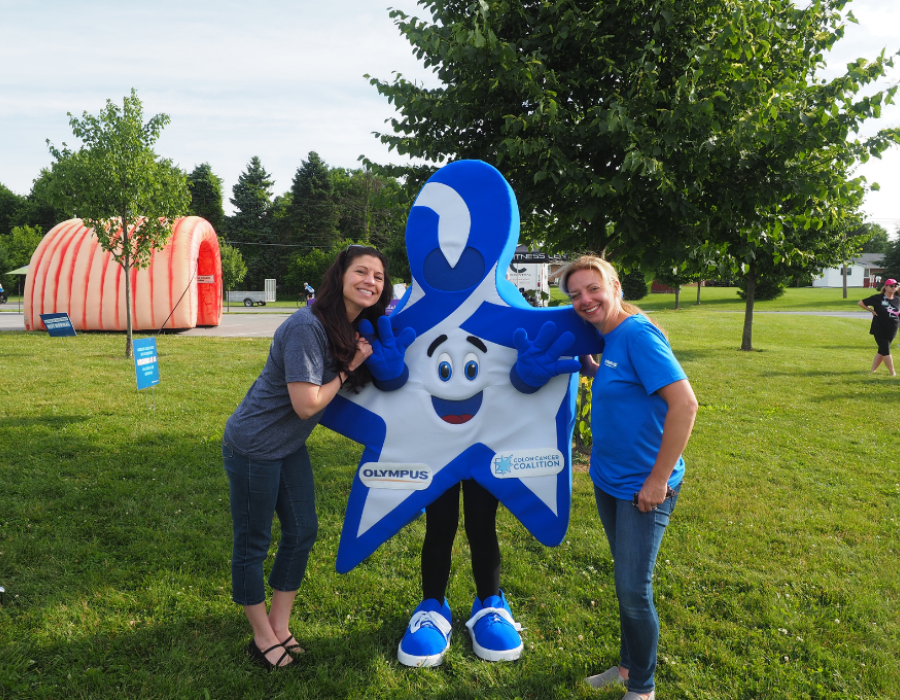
254	298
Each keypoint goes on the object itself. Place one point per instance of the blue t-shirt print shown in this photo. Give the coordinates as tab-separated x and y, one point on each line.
627	414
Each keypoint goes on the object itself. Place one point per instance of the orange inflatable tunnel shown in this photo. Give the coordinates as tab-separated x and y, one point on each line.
182	287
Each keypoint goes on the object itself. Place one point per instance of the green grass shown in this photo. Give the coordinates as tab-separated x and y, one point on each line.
727	299
777	577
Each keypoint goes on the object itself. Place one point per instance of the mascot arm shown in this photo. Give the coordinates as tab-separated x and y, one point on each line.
387	363
539	359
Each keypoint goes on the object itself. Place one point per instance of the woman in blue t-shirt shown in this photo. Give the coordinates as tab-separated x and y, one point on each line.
313	354
642	414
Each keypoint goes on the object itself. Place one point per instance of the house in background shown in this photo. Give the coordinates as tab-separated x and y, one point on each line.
861	272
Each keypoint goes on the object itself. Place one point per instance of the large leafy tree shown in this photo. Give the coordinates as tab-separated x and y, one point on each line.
206	195
698	128
119	187
252	224
587	108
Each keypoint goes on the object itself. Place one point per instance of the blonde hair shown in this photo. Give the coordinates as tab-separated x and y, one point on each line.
607	274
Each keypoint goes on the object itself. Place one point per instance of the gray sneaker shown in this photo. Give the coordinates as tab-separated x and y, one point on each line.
635	696
608	677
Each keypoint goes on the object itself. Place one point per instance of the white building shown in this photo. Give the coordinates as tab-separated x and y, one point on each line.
861	272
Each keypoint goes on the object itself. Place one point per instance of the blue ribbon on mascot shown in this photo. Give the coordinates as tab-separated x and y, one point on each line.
471	381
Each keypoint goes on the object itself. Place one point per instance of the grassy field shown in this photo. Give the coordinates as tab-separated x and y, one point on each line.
777	578
726	299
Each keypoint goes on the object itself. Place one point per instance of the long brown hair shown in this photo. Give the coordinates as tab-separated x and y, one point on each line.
330	309
607	274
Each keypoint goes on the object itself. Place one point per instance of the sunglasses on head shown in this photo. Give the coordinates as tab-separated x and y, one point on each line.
359	245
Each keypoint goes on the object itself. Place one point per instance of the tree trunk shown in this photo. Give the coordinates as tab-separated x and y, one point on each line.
699	283
844	275
677	297
747	339
126	268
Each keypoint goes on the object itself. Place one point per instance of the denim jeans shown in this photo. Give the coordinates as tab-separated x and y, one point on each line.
259	488
634	539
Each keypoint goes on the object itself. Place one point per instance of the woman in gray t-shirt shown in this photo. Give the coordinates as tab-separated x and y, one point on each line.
313	354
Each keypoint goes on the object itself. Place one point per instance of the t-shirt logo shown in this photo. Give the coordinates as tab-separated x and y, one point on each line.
610	363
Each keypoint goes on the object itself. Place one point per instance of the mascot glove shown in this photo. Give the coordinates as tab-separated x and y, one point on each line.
539	360
387	361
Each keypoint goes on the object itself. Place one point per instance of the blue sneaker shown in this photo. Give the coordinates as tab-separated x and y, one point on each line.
495	635
427	637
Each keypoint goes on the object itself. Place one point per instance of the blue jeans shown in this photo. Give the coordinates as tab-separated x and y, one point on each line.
259	488
634	539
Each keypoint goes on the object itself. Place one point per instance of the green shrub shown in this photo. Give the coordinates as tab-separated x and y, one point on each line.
634	285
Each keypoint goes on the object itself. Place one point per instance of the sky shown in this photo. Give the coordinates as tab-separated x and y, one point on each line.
275	79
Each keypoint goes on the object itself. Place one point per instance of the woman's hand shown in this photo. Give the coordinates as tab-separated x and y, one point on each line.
652	494
589	365
363	352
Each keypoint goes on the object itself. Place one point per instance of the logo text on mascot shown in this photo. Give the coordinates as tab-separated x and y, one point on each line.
520	464
384	475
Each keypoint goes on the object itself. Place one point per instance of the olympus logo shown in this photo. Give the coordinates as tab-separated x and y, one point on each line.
385	475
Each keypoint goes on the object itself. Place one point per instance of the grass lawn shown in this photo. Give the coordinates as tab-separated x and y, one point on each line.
777	578
727	299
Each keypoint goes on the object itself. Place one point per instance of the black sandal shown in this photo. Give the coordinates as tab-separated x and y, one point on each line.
294	649
259	657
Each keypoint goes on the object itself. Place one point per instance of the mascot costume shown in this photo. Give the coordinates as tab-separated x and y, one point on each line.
472	385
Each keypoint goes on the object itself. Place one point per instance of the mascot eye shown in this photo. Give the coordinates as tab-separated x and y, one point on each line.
471	368
445	367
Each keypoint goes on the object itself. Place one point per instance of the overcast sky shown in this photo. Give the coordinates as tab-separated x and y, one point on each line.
272	78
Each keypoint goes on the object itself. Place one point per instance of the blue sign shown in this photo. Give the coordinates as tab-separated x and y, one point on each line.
58	324
146	363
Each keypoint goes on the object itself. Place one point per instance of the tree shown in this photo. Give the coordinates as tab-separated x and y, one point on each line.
233	268
891	259
252	224
691	126
673	277
206	195
119	187
875	237
313	213
16	250
37	209
10	203
589	109
634	285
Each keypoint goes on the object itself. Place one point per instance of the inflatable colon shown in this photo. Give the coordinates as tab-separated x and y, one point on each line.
181	288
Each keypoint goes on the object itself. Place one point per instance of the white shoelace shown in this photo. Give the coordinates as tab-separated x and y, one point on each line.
429	616
502	612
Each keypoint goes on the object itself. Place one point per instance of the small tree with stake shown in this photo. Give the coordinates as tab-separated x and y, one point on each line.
118	186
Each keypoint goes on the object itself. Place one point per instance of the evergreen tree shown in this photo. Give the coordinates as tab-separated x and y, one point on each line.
206	195
251	224
314	216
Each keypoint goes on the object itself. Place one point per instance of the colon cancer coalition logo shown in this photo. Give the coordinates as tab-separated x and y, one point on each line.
384	475
520	464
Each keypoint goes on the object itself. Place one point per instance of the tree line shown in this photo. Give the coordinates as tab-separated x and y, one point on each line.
291	237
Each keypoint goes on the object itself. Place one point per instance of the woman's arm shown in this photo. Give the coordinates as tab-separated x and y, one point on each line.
862	304
308	399
676	430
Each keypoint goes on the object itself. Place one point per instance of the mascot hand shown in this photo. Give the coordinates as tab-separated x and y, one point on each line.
539	360
387	362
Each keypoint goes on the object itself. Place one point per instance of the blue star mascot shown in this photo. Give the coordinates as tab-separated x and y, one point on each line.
474	392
